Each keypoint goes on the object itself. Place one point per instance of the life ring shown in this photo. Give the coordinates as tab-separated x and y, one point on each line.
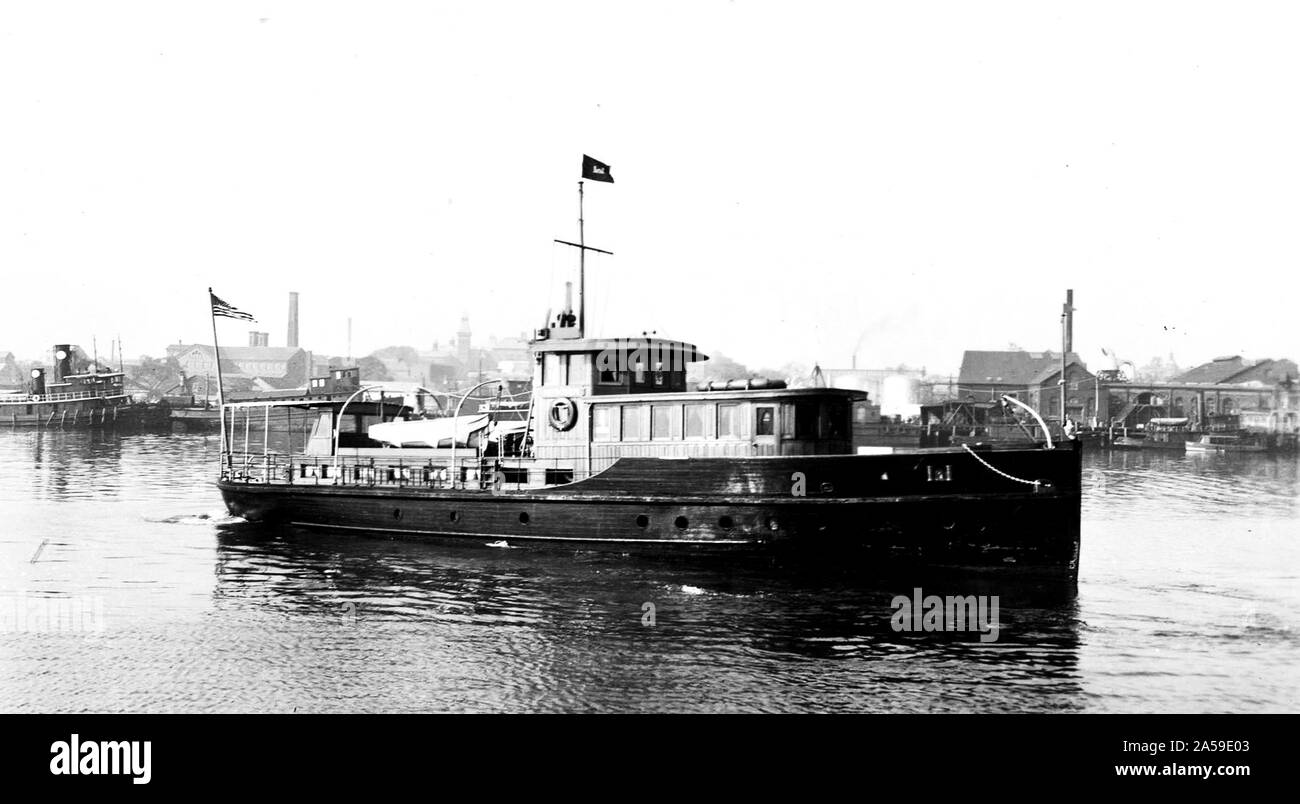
563	414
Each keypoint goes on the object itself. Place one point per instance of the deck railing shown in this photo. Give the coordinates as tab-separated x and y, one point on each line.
70	396
469	472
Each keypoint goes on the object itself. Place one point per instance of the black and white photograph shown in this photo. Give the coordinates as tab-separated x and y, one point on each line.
722	357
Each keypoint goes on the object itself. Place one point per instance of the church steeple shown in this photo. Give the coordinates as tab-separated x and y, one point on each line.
463	336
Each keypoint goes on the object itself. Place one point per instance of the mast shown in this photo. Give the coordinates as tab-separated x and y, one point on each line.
221	394
1067	336
582	269
582	248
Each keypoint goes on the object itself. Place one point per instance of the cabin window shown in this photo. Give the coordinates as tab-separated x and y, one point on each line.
836	415
697	420
765	422
728	421
602	424
666	423
553	372
634	423
606	377
564	370
555	477
805	420
514	474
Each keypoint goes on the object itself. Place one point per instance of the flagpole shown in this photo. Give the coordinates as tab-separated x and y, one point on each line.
582	271
216	351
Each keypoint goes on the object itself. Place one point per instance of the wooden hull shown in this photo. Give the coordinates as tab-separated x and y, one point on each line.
196	419
944	509
83	413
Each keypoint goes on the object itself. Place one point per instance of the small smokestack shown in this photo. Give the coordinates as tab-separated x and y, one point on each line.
568	297
292	341
62	361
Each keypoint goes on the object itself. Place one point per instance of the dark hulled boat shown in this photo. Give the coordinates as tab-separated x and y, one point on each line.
615	452
618	453
72	399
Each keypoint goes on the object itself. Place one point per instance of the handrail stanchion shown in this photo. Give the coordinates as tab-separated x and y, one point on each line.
456	418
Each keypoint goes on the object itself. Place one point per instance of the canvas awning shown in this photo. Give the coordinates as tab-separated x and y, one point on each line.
428	432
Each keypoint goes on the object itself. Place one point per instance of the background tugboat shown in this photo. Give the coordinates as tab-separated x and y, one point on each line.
68	398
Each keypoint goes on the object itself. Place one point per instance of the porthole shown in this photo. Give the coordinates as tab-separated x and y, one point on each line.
725	522
455	516
642	520
681	522
397	514
523	517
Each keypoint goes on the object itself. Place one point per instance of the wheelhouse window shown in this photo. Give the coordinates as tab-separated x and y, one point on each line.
634	423
836	424
805	420
603	424
666	423
765	421
553	370
606	377
698	419
728	421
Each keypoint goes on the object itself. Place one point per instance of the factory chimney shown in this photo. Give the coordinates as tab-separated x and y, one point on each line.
292	341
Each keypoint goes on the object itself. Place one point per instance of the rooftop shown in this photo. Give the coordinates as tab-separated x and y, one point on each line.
1010	367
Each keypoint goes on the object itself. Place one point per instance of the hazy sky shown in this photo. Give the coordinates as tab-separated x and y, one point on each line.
794	181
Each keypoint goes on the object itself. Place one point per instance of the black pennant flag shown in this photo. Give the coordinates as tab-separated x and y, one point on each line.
595	170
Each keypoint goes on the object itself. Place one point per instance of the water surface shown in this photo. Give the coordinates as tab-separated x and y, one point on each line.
1187	601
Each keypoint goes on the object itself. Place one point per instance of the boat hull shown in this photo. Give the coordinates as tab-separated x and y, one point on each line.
196	419
948	509
1223	449
95	412
1128	442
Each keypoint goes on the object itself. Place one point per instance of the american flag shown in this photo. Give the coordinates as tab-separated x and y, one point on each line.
226	310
